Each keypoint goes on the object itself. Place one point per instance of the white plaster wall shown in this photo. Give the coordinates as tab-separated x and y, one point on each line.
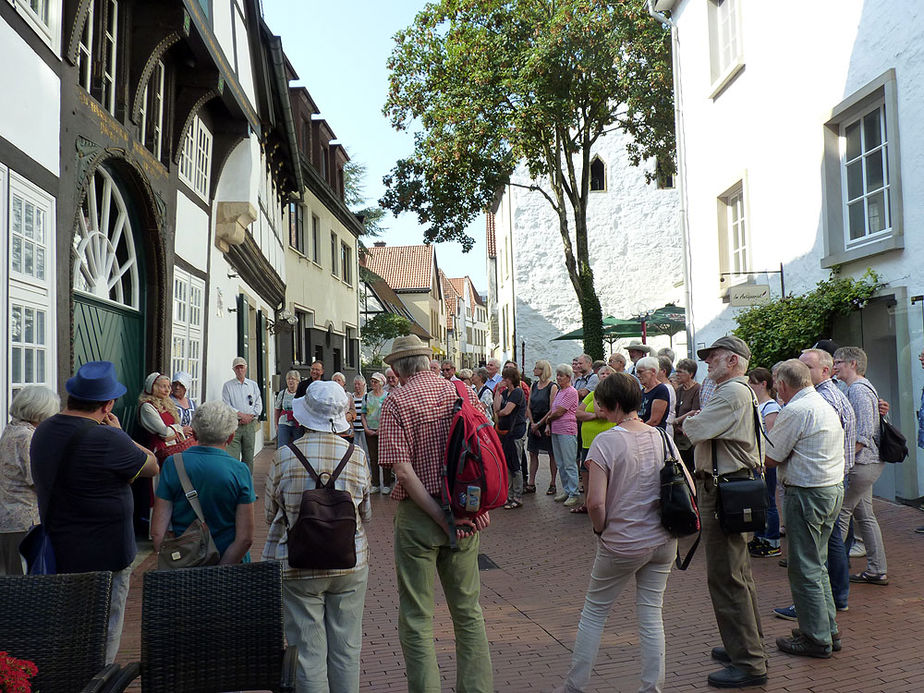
768	126
635	252
240	177
192	232
31	113
244	62
221	27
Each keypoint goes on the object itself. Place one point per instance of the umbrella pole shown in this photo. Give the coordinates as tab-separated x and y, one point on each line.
644	331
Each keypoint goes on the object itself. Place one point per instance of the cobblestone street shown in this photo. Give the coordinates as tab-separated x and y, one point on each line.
532	602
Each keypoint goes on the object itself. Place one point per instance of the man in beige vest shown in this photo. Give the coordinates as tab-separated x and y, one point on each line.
727	423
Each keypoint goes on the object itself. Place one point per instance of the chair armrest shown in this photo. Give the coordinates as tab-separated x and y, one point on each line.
289	670
121	680
104	678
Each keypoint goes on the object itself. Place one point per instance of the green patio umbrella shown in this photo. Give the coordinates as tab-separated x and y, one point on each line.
613	329
667	320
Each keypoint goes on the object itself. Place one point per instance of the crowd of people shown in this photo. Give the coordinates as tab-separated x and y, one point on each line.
809	426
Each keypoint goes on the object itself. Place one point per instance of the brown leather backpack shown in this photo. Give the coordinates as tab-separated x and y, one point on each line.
324	535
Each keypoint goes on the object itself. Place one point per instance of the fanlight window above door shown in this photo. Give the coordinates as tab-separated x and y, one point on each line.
105	264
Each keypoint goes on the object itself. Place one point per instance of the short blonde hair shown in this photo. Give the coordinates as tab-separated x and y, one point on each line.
546	368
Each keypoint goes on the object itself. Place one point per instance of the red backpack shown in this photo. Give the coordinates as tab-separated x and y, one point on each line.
475	474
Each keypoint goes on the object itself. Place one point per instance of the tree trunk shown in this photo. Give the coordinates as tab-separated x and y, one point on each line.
591	311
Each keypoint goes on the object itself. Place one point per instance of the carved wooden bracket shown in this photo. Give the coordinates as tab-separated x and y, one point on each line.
231	222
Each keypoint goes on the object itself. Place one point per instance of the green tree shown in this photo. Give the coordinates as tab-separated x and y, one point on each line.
354	196
492	83
382	327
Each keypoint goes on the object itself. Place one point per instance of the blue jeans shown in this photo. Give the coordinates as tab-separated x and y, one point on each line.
564	447
772	532
838	569
285	435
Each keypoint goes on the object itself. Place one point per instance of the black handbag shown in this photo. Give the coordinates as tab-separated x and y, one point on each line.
679	514
893	446
741	503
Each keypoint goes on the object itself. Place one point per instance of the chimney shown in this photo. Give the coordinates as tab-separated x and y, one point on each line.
379	244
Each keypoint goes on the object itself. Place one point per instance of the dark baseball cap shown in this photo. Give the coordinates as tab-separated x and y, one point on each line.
735	345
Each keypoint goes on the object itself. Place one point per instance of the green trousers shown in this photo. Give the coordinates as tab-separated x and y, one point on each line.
421	551
810	515
241	448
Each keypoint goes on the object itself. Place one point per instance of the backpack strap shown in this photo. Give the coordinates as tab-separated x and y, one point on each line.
191	494
313	474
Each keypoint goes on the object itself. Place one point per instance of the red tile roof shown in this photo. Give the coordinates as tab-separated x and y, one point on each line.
489	233
404	267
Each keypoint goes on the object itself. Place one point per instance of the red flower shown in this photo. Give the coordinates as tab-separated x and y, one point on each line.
15	674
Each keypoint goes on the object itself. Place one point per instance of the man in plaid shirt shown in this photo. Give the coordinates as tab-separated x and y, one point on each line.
413	433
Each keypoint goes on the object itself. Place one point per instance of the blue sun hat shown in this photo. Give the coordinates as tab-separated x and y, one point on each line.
95	381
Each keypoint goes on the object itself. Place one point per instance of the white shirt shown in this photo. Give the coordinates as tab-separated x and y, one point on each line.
808	442
243	396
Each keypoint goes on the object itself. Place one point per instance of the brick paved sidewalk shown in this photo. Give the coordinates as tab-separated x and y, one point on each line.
532	603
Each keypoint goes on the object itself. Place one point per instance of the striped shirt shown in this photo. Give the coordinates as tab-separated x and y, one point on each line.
286	481
414	428
832	394
865	402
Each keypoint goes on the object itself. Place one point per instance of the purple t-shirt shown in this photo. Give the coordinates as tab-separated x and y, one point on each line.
567	423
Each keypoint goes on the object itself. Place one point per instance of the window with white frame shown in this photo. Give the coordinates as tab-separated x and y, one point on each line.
108	54
865	176
862	174
152	111
28	237
30	287
196	158
724	40
188	314
85	52
734	246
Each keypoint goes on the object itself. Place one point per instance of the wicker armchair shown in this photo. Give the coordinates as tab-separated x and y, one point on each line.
212	629
59	622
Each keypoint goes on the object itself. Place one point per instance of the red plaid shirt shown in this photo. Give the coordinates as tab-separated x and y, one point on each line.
414	428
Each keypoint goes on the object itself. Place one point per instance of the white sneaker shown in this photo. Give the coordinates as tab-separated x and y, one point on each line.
374	489
857	551
386	490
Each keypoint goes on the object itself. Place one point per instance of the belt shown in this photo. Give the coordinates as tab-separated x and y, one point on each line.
702	474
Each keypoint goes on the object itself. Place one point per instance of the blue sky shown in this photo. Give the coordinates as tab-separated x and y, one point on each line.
339	51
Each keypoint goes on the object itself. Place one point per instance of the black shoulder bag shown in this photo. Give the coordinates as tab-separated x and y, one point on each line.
893	446
679	514
741	503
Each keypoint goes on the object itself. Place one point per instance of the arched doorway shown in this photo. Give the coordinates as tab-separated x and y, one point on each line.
108	288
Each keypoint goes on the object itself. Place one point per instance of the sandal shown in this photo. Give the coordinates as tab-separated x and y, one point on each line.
552	490
529	488
512	504
580	509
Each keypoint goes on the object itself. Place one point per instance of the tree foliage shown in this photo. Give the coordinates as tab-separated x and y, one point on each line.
381	328
781	329
354	196
492	83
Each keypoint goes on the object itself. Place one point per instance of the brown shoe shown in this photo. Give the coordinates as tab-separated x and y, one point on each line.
802	645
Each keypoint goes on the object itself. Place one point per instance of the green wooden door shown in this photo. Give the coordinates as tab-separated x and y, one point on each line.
108	288
108	332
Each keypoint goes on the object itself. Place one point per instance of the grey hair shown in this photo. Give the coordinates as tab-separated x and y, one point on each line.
855	354
824	358
668	352
35	403
214	422
406	366
359	379
795	374
586	358
648	363
494	362
564	369
609	370
293	374
482	374
618	357
342	376
465	373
